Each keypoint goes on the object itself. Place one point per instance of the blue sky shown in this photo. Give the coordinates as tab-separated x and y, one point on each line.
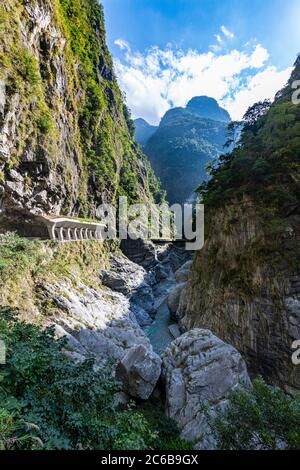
166	51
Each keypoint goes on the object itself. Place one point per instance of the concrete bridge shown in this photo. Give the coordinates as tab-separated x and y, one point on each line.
60	228
67	229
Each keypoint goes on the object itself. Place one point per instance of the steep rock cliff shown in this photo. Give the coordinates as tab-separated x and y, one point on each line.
66	138
245	283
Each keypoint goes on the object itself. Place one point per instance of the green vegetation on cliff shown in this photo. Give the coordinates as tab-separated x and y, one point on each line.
261	175
25	263
248	271
266	164
262	418
113	160
70	132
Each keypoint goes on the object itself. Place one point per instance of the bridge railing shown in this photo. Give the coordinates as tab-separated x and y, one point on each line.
64	229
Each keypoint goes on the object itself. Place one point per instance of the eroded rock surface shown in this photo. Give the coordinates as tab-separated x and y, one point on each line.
44	96
132	280
139	370
174	299
98	323
182	274
255	305
142	252
199	372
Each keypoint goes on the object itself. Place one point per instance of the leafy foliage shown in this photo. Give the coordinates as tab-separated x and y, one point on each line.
71	404
167	432
15	433
255	112
263	418
266	164
17	254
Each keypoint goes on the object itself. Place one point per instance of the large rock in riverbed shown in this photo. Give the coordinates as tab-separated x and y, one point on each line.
139	370
133	281
199	371
140	252
123	275
174	299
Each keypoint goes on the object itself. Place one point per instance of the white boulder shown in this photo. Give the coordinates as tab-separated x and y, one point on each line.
199	372
139	370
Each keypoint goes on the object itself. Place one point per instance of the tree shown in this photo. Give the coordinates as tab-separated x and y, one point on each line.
263	418
71	405
255	112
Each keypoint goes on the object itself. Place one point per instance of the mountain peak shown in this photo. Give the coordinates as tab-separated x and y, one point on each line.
209	108
141	121
143	130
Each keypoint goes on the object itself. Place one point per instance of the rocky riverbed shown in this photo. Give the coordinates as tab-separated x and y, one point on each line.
126	311
130	321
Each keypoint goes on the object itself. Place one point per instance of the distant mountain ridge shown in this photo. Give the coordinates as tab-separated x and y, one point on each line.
183	144
143	131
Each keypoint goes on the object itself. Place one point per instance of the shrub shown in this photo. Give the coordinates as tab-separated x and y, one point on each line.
263	417
71	405
27	66
45	123
15	433
17	254
167	435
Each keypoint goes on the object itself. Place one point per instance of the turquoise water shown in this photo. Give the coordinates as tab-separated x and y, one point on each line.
158	332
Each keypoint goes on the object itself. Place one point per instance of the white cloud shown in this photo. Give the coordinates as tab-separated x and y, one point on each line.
226	32
215	48
263	85
161	78
123	45
259	57
222	39
219	39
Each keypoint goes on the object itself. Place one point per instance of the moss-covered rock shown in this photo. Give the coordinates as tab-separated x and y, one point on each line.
64	128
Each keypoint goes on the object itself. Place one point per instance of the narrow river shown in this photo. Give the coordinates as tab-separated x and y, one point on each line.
158	332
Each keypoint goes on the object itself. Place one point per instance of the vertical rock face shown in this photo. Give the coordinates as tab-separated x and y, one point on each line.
199	372
66	139
248	302
244	285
